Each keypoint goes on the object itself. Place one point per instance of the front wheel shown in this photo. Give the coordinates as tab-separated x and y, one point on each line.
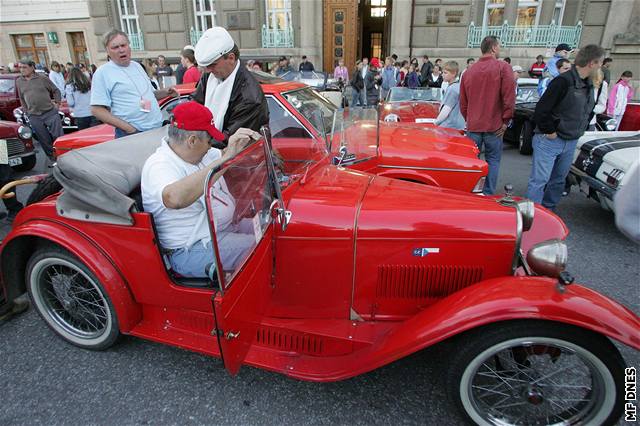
537	372
70	299
525	140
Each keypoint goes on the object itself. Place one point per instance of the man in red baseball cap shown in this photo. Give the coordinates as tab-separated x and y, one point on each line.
172	187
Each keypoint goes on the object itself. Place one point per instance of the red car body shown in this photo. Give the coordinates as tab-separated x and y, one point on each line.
631	118
367	270
22	154
433	156
418	106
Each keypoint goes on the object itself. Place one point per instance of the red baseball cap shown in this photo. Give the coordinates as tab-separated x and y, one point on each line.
194	116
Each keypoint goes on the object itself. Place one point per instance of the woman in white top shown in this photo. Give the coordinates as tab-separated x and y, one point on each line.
78	95
601	95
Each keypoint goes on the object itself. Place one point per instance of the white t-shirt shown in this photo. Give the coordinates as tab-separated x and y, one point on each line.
182	228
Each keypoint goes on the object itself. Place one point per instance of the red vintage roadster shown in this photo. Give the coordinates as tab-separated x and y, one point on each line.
342	272
432	156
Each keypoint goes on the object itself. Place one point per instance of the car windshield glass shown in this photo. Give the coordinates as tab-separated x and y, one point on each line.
313	107
7	86
421	94
357	130
310	78
527	94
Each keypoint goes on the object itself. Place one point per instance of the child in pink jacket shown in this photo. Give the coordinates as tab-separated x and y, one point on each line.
619	97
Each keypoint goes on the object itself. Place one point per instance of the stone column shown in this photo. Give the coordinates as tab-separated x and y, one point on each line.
620	13
311	14
400	27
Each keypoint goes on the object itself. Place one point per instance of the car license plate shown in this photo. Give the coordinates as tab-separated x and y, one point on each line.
15	161
425	120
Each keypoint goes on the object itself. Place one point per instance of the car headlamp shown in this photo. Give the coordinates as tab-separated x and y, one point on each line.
610	124
528	210
392	118
17	113
548	258
24	132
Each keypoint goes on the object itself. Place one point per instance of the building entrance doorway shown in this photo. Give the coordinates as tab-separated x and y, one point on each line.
375	23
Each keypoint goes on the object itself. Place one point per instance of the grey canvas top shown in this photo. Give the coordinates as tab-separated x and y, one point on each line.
98	179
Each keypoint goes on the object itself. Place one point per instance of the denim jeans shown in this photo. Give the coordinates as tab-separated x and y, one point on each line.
121	133
355	98
492	154
551	163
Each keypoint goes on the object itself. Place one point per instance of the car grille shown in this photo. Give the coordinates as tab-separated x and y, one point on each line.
419	282
15	146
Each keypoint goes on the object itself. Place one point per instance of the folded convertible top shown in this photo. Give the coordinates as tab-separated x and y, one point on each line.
98	179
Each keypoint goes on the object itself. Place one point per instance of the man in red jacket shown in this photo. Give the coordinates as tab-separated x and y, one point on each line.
487	102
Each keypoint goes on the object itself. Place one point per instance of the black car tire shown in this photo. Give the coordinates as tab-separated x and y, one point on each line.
525	141
71	299
47	186
28	163
517	354
512	135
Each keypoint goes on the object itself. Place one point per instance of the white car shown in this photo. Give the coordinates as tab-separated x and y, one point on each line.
601	162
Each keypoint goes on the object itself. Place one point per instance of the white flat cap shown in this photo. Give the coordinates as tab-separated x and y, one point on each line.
214	43
517	68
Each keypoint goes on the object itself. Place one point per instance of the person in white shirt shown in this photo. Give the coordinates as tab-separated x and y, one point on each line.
172	188
56	77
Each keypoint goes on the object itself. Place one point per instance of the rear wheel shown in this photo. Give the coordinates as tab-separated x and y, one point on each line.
536	372
70	299
525	142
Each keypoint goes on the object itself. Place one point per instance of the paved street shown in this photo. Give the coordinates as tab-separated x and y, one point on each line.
46	380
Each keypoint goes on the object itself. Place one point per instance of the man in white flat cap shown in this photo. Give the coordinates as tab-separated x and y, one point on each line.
230	91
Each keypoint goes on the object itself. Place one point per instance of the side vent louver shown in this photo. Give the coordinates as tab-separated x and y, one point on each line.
312	345
418	282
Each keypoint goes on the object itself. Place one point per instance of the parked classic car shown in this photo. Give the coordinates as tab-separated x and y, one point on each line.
520	132
8	96
22	154
601	163
432	156
346	272
322	82
405	105
66	117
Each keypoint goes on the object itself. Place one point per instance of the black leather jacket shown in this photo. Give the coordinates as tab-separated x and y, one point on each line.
247	106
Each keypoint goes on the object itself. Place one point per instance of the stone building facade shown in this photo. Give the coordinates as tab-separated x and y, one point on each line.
326	30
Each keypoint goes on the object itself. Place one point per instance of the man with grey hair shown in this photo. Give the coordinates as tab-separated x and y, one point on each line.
172	187
121	91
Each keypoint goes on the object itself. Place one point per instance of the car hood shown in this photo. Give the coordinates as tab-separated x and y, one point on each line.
8	129
411	111
620	149
83	138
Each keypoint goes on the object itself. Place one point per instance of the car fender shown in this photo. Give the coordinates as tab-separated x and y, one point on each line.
22	241
507	299
409	175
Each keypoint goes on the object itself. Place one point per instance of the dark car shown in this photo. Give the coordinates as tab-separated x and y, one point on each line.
520	132
8	96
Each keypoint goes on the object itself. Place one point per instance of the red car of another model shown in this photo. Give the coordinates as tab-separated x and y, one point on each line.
404	105
342	272
19	142
298	115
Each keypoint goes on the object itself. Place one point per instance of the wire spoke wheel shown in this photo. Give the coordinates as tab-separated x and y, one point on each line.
71	300
538	379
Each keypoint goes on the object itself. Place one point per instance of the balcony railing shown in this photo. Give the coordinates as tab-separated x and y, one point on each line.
277	38
136	41
194	36
537	36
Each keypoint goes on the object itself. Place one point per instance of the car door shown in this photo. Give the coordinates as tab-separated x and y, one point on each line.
241	205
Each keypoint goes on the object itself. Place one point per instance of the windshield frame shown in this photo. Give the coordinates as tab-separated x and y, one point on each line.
417	89
330	106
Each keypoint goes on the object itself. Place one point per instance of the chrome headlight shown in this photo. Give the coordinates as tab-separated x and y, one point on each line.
548	258
610	124
66	121
528	210
392	118
17	113
24	132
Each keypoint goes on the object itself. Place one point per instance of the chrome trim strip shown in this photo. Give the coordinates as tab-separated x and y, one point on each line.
386	166
519	230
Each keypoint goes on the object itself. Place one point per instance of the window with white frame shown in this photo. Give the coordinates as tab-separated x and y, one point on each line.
205	14
528	13
378	8
278	14
558	12
493	13
129	16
